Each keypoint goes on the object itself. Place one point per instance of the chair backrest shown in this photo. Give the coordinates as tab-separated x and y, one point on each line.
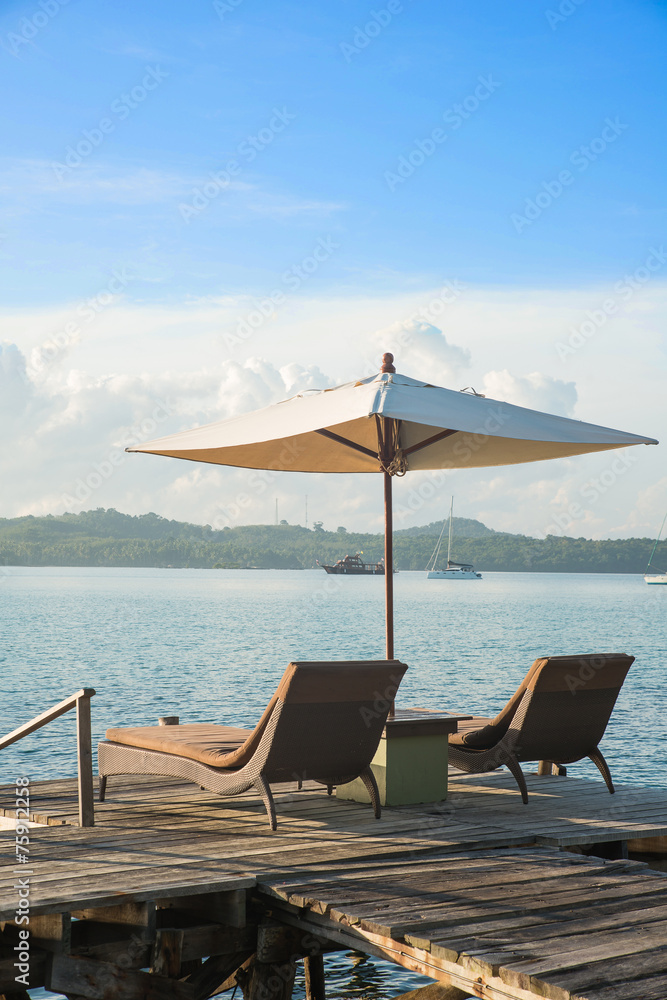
566	706
328	718
488	736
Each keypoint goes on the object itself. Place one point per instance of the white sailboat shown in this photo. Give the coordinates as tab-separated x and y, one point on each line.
454	570
656	577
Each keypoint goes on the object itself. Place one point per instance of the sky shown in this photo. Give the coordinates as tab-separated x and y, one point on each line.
207	208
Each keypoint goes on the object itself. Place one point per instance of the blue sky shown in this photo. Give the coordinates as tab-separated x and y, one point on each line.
189	159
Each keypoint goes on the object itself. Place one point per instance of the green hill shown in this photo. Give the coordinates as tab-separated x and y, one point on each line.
108	538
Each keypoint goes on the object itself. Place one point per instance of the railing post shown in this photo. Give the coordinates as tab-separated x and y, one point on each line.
85	759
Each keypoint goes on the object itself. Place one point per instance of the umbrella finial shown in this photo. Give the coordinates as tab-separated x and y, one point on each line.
387	363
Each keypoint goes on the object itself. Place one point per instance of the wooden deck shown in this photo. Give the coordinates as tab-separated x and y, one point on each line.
479	892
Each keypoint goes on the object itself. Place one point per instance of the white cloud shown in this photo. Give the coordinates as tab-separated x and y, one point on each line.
535	391
63	425
423	348
282	207
94	181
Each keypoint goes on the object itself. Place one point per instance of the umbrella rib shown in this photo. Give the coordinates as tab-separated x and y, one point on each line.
428	441
346	442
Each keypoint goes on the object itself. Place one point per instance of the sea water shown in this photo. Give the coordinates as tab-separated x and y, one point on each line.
211	645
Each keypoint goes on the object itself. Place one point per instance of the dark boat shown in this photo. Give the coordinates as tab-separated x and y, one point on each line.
353	566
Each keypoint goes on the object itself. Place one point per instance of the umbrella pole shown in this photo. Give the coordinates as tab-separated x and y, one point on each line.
388	572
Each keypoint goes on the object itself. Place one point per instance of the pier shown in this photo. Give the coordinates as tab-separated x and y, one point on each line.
176	893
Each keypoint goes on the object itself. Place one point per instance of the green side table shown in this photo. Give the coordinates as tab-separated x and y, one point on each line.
410	764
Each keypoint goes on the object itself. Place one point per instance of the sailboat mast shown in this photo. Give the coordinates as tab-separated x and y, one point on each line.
656	544
451	519
436	551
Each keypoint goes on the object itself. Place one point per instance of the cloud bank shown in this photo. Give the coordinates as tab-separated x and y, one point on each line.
65	427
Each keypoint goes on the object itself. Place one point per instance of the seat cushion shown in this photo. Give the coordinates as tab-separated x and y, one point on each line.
218	746
476	734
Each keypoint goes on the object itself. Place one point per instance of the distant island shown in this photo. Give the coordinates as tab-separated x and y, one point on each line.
108	538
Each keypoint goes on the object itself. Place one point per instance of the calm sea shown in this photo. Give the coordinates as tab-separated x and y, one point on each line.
211	645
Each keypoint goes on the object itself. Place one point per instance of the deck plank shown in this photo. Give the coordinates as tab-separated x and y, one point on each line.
475	887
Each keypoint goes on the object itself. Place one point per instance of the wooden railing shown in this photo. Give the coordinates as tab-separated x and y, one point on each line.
80	701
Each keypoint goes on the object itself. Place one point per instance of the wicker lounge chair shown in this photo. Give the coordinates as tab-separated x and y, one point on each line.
324	723
558	715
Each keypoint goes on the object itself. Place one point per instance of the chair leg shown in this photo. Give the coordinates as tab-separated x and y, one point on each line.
512	764
262	786
330	789
603	768
103	787
369	781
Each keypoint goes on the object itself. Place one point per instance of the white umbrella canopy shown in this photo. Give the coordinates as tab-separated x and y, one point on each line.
336	430
388	424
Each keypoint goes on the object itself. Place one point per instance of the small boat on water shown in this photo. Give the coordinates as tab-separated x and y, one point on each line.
354	566
453	570
661	576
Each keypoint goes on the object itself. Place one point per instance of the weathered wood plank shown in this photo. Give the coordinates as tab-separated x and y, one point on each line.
219	972
51	932
99	980
435	991
313	969
652	988
553	923
649	964
226	908
84	754
471	903
168	952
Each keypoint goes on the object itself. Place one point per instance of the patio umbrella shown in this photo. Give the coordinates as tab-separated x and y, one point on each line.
388	424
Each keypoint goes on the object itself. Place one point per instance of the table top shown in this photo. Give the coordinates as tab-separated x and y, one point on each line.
422	722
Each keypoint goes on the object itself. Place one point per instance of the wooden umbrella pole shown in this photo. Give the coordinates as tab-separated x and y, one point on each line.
388	572
384	436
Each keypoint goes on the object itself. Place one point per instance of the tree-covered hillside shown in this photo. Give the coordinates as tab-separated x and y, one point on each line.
109	538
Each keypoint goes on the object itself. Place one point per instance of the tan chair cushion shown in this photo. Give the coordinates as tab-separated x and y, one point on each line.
218	746
482	733
475	734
